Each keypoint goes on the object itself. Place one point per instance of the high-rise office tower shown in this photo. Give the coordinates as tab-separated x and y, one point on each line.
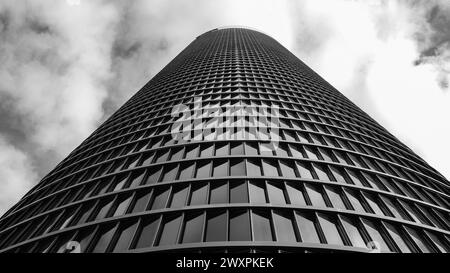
235	146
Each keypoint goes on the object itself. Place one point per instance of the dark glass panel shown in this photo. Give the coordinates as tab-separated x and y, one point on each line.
240	226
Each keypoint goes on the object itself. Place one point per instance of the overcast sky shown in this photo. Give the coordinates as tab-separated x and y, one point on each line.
66	65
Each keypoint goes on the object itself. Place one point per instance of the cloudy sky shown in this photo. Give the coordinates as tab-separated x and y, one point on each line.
66	65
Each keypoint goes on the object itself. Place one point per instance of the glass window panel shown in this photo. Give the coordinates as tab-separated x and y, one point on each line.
335	197
192	152
160	199
186	171
104	238
394	209
270	168
154	174
179	197
251	148
284	227
170	231
296	151
307	228
170	173
397	237
136	179
84	238
222	149
220	168
262	229
355	178
120	183
177	154
203	169
122	207
420	241
311	152
353	233
439	243
276	194
193	229
321	172
219	193
162	156
304	170
330	229
237	149
238	192
240	226
354	200
105	206
338	174
199	194
125	237
296	196
287	169
257	192
85	212
253	167
141	202
237	167
375	235
147	233
315	195
373	204
207	150
216	227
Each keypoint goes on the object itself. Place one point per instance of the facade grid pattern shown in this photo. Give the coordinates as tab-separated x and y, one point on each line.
337	181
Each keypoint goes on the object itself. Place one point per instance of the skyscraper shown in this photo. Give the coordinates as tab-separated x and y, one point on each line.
235	146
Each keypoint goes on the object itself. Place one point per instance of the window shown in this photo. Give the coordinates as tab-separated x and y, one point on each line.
295	194
237	168
216	227
253	167
397	237
306	226
220	168
186	171
122	206
193	228
353	232
239	226
199	194
147	231
330	230
154	174
276	194
251	148
179	197
257	192
335	197
284	227
238	192
315	195
203	169
304	170
287	169
419	241
207	150
270	168
177	154
373	204
192	152
375	235
104	207
321	172
262	229
84	214
222	149
237	149
126	233
354	200
219	193
104	236
136	179
338	174
160	199
170	172
141	202
170	230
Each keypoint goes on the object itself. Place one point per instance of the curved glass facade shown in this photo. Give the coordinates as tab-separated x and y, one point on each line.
235	146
